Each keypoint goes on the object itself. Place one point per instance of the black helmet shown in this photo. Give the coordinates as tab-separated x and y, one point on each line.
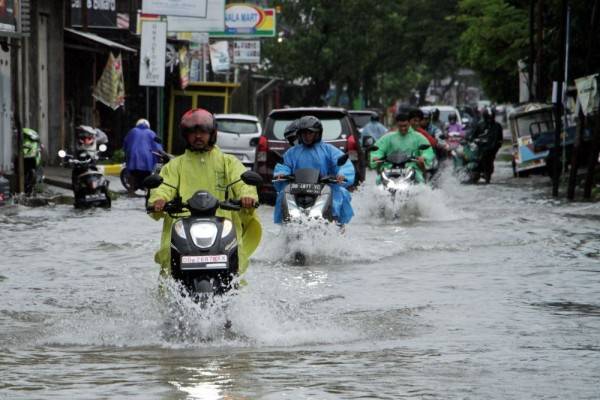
426	113
290	133
415	113
452	118
310	123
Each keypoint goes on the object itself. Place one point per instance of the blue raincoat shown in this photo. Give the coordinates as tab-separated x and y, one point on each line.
321	156
138	146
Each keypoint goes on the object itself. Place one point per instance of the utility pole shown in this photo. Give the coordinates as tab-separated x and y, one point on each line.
539	62
595	145
531	63
580	117
558	100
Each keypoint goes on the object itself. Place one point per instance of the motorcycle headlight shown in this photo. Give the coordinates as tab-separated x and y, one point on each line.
316	211
204	234
227	227
179	230
293	209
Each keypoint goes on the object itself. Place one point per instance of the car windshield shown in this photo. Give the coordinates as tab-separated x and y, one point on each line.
237	126
332	128
444	114
361	119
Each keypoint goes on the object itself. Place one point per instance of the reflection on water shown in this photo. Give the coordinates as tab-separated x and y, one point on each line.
479	291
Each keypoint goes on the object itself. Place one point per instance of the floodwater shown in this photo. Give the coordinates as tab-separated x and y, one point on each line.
463	292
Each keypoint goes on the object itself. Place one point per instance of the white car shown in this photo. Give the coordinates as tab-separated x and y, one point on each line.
238	135
445	111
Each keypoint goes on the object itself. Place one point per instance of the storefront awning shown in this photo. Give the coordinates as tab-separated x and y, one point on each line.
100	40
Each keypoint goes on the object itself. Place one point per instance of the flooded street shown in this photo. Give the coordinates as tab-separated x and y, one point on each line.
466	292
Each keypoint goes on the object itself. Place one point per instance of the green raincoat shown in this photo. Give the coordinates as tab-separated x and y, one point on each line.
210	171
409	143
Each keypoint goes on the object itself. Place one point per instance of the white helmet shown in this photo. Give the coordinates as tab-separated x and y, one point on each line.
143	121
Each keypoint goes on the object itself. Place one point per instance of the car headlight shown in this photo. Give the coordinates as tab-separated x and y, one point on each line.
179	229
204	234
227	227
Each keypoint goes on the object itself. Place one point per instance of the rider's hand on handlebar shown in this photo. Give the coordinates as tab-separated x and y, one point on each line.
278	177
340	179
377	160
421	163
247	202
159	205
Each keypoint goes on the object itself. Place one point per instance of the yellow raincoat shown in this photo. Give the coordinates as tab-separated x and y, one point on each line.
210	171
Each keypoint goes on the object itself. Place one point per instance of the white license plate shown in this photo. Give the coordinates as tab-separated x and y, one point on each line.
94	196
204	259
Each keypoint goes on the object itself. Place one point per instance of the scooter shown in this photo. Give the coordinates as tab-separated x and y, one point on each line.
307	198
308	195
90	187
204	247
466	160
398	178
163	158
32	160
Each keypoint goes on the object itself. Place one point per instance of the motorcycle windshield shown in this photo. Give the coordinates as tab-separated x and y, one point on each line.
397	158
306	175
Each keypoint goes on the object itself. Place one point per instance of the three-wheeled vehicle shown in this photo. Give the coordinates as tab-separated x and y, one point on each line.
532	129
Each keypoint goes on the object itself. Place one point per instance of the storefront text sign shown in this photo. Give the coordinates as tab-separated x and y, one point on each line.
181	8
247	20
152	53
246	52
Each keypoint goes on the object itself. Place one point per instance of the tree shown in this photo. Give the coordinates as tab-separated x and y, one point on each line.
494	39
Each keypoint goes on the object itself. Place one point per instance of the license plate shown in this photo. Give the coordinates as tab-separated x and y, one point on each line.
221	258
91	197
305	188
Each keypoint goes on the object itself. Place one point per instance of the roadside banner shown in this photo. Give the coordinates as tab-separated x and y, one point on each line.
110	89
219	56
247	21
153	53
182	8
100	14
246	52
588	94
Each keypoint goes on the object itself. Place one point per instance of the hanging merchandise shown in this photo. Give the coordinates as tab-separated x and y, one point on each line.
110	89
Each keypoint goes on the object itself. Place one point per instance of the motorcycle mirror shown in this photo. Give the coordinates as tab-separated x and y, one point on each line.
342	160
62	153
424	146
368	141
252	178
152	181
102	148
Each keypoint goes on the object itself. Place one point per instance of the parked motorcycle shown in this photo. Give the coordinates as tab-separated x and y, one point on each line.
204	247
90	187
32	160
163	158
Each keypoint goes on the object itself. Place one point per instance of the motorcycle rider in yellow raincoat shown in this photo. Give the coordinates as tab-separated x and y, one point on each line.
204	166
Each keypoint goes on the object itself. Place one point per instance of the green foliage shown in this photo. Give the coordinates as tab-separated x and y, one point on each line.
373	45
494	39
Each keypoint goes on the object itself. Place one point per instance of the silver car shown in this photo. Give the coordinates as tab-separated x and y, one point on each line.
238	135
